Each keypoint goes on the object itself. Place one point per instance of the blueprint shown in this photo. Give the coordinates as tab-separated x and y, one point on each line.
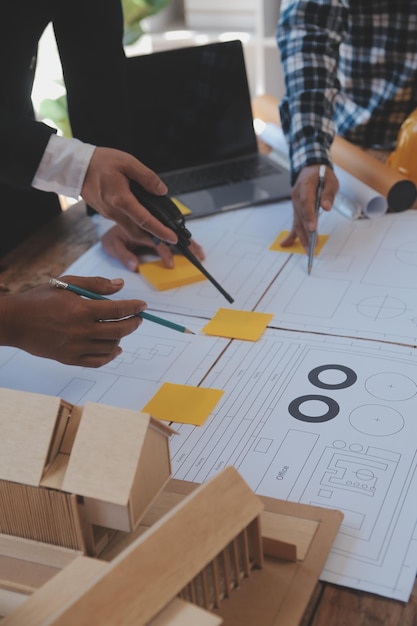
324	421
151	356
237	256
363	283
320	410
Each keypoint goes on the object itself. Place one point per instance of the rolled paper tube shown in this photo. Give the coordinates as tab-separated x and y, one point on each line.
371	203
400	192
347	207
355	199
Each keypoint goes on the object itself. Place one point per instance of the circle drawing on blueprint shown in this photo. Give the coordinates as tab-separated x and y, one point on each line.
377	420
312	408
332	377
391	386
381	307
407	253
365	475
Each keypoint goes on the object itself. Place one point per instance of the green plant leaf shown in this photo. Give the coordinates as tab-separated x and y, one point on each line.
134	11
132	32
56	111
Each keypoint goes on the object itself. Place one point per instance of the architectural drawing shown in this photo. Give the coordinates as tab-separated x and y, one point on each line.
151	356
363	284
323	421
321	410
237	256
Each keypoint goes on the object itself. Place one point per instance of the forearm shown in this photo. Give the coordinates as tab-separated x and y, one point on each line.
55	324
308	35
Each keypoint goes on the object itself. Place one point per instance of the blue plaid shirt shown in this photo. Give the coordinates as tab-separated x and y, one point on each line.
350	68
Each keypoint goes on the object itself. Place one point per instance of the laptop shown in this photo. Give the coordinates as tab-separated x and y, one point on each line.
193	125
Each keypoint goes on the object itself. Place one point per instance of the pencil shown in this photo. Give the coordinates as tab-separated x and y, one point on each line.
313	235
95	296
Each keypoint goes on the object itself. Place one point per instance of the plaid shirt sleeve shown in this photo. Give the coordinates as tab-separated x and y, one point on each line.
309	34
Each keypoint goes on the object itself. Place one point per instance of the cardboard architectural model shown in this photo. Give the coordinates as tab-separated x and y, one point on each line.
70	476
199	556
92	531
200	550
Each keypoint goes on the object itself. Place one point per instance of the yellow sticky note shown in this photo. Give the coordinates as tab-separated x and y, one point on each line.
163	278
183	403
237	324
184	209
296	247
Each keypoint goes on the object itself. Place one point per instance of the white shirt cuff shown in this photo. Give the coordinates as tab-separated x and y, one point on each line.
63	166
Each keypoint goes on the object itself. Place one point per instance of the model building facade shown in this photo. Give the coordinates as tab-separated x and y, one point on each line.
71	475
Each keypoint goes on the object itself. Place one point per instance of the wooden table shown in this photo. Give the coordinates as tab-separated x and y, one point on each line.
49	253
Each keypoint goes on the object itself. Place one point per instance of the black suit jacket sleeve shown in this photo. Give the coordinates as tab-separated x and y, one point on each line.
22	144
89	36
22	140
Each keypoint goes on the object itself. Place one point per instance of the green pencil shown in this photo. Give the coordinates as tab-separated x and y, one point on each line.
95	296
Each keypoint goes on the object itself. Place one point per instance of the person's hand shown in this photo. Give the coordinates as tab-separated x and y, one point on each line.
304	200
126	248
60	325
106	188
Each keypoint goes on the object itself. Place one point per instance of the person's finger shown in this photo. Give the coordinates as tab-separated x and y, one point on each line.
289	240
330	189
126	209
107	309
106	188
117	248
164	253
113	310
95	284
148	179
115	328
97	360
197	250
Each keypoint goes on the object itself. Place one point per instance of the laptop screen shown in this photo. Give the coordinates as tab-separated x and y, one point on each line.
190	106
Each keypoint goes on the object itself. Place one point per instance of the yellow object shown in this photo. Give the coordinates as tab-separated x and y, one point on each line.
297	247
403	159
183	404
184	209
163	278
247	325
388	180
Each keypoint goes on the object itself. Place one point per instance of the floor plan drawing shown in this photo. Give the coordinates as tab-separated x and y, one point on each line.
320	410
237	256
151	355
363	283
323	421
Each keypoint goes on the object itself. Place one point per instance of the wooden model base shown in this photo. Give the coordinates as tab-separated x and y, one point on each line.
198	549
279	592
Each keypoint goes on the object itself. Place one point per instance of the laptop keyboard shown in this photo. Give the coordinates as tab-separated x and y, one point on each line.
218	174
